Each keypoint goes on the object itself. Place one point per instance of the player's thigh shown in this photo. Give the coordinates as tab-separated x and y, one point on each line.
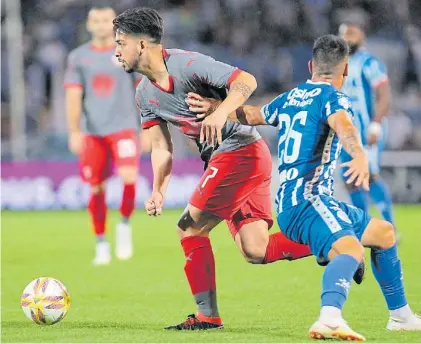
125	151
318	222
196	222
94	160
250	224
228	182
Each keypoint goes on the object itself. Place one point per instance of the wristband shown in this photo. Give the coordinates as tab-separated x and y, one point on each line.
375	129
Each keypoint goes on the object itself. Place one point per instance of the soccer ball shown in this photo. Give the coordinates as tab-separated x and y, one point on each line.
45	301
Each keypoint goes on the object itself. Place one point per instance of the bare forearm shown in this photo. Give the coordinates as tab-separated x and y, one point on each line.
381	110
161	166
382	102
248	115
73	110
240	90
350	140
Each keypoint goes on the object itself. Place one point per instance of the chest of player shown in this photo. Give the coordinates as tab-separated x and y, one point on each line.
102	71
170	104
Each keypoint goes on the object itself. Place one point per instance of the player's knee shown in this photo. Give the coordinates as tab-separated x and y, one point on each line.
347	245
97	189
254	254
386	235
128	174
193	222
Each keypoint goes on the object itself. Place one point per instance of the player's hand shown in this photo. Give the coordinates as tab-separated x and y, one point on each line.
154	204
201	105
358	171
211	130
75	142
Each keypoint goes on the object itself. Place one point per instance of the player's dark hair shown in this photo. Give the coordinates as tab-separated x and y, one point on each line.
140	21
328	52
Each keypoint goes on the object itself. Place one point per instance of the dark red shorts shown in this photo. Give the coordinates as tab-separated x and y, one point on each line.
236	186
99	153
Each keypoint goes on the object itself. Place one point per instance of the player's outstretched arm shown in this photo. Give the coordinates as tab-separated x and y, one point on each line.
203	106
161	157
358	170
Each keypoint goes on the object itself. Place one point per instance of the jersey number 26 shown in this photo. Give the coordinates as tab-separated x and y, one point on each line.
292	137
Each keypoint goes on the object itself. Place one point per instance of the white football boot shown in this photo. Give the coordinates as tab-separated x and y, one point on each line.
412	323
102	254
334	329
124	244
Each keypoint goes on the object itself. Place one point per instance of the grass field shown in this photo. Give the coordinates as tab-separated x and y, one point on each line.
132	301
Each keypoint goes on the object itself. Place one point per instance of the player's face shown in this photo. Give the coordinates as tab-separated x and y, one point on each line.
100	23
128	52
353	35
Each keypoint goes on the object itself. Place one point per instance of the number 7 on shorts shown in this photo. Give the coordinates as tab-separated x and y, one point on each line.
209	176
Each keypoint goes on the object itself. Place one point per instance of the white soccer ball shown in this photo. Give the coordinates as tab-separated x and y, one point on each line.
45	301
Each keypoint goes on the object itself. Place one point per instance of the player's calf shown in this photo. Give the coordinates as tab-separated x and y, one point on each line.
124	245
345	254
387	269
258	247
98	212
193	227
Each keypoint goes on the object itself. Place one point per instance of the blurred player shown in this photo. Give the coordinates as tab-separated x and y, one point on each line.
103	127
367	86
314	121
236	184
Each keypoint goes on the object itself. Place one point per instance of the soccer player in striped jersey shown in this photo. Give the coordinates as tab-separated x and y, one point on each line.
367	86
314	121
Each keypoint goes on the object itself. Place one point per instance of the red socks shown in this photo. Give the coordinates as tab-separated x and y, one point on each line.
98	211
280	247
128	200
200	273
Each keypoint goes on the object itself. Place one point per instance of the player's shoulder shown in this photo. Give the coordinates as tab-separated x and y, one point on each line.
80	50
367	57
183	59
180	54
342	99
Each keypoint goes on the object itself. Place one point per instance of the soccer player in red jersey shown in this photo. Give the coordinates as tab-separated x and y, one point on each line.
103	127
236	184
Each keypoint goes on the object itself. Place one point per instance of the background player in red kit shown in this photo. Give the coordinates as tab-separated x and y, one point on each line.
103	127
236	184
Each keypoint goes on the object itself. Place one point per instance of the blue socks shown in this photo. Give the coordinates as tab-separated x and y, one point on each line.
359	199
387	270
337	280
380	194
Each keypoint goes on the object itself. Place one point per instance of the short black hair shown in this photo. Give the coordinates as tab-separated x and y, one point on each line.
328	52
140	21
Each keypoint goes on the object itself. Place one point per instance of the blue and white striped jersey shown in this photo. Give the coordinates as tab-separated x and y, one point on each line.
365	73
307	146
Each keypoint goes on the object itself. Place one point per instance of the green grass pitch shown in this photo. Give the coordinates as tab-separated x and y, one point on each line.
132	301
